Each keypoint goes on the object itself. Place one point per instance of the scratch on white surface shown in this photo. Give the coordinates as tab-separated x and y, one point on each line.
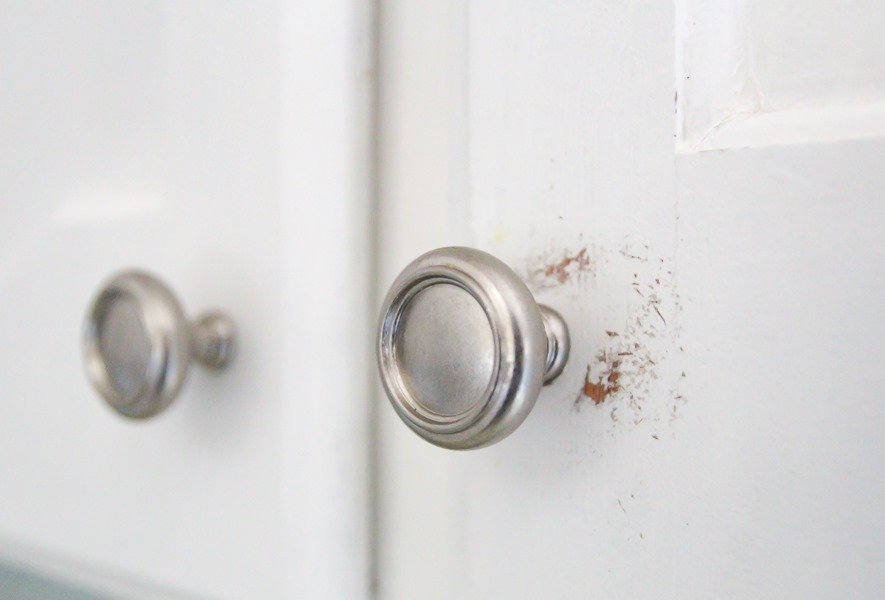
554	268
633	373
632	370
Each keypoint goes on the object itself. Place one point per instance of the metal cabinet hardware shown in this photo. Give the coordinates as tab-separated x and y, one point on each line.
138	344
463	348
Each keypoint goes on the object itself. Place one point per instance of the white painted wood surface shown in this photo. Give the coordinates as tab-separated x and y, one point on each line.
223	146
717	432
753	73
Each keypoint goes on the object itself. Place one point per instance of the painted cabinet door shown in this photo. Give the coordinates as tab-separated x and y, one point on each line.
222	147
698	188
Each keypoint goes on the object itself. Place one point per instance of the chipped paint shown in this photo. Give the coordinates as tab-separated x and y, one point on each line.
600	389
556	269
564	269
628	296
638	352
631	291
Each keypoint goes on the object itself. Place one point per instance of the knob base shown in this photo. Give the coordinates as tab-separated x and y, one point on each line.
213	340
558	343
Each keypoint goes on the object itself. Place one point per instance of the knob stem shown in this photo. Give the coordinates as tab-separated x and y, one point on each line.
213	340
558	343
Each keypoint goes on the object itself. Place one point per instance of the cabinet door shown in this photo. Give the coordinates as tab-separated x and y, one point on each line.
698	189
222	147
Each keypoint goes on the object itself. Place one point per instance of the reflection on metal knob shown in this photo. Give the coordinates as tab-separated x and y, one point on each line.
464	349
137	344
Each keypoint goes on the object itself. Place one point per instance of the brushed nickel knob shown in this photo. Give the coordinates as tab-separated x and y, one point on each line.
463	348
138	345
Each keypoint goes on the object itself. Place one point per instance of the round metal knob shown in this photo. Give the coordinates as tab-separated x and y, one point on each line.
463	348
138	345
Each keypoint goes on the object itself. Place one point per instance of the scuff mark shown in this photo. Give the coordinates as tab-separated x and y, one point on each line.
605	385
564	268
634	371
654	306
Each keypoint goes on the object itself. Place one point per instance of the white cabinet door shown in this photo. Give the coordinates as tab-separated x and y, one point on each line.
698	188
223	147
